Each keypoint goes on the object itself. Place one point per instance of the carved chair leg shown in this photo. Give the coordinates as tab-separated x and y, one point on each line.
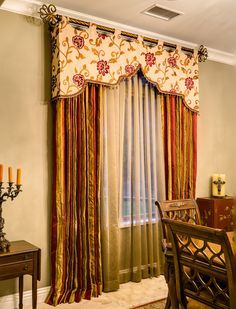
170	279
172	291
184	301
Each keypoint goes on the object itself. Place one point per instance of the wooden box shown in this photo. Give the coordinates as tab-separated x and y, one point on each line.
217	212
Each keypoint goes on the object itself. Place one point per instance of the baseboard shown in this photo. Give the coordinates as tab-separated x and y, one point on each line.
11	301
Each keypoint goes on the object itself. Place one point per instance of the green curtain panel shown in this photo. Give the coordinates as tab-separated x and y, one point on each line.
75	238
180	147
133	179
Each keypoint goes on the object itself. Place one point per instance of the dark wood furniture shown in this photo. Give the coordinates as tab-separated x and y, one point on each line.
205	266
185	210
22	259
217	212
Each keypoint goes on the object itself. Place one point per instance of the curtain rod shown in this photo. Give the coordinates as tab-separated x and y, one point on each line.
128	34
48	15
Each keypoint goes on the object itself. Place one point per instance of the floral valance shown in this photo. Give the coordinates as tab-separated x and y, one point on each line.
85	55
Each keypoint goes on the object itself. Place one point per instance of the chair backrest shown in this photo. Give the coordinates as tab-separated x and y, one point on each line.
205	267
182	210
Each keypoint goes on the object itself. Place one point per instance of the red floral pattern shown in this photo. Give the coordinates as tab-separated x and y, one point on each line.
189	83
78	80
102	35
103	67
150	59
173	91
129	69
106	59
78	41
172	61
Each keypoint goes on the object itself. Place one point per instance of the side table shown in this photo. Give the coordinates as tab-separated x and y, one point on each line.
217	212
22	259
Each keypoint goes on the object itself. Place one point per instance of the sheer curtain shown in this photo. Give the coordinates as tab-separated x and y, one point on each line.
132	179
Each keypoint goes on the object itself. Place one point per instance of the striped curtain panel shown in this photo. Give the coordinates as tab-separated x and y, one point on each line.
75	240
180	147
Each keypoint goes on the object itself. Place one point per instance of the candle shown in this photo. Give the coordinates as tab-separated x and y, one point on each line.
1	172
18	177
10	174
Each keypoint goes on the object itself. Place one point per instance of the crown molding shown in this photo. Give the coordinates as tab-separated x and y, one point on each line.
221	56
31	8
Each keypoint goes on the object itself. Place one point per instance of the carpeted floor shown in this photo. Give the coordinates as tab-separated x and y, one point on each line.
129	295
159	304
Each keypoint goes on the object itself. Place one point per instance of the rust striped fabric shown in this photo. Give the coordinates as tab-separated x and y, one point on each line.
180	147
75	239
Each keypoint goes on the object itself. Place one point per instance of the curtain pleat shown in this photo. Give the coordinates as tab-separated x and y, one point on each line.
180	147
132	149
75	238
116	151
110	180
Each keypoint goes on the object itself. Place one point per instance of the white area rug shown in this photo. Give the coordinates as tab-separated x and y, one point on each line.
129	295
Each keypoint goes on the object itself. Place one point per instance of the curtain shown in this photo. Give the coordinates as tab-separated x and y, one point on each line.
83	55
132	179
111	162
75	238
180	147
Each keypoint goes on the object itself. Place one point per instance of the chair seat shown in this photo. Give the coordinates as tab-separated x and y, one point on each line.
194	304
220	300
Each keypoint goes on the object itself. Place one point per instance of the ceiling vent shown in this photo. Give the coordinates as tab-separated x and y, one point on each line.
161	12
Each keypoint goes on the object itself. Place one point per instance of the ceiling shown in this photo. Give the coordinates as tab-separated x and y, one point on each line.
208	22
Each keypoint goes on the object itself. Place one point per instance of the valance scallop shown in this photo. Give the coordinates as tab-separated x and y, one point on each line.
85	55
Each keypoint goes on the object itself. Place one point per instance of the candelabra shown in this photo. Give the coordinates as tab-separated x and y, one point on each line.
10	192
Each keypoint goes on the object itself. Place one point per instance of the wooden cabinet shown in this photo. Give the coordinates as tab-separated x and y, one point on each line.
22	259
216	212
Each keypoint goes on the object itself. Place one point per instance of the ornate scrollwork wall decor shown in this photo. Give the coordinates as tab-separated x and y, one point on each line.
202	53
48	14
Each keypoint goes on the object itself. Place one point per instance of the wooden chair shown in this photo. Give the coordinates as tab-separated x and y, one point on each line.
205	267
181	210
185	210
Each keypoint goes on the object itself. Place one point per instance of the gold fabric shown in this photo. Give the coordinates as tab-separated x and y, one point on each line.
180	147
84	55
76	257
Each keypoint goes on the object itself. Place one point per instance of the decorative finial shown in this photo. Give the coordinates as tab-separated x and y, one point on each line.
48	14
202	54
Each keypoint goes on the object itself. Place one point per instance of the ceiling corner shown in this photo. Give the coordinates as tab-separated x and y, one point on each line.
31	8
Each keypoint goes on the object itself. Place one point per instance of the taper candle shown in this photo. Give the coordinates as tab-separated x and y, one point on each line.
18	177
10	174
1	172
